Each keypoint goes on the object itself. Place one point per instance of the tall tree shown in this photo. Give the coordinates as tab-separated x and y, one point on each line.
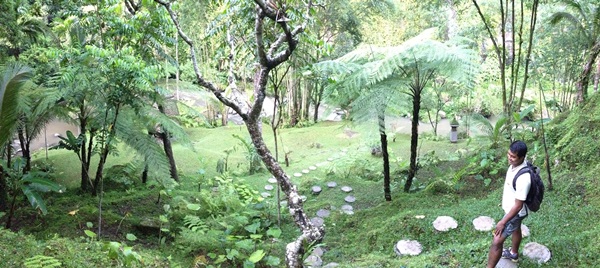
273	20
512	39
383	72
586	21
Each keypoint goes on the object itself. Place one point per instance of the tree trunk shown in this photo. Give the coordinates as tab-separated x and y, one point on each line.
24	149
386	159
584	77
414	140
3	190
168	148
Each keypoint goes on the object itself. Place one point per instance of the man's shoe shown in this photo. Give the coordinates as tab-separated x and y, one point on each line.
506	254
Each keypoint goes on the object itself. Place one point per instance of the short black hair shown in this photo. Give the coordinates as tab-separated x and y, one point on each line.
519	147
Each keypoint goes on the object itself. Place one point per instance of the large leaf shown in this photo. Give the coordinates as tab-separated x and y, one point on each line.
13	77
34	199
41	184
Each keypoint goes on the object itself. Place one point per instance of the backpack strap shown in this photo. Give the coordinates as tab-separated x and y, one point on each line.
523	170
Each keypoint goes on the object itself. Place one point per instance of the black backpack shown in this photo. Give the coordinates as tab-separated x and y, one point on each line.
536	191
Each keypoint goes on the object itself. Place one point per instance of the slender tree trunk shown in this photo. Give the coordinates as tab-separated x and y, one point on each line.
386	158
24	149
597	75
3	190
11	213
414	140
168	148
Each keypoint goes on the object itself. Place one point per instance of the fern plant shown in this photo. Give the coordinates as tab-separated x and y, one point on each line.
41	261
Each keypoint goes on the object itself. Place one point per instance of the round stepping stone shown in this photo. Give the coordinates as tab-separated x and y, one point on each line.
408	248
524	230
350	199
305	171
323	213
312	168
537	252
297	174
272	180
330	159
345	150
317	222
313	261
265	195
331	265
321	164
483	223
348	209
346	189
331	184
316	190
269	187
444	223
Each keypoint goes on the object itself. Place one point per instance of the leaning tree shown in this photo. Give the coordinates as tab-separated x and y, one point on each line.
276	31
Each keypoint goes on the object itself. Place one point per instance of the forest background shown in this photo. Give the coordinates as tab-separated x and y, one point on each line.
157	169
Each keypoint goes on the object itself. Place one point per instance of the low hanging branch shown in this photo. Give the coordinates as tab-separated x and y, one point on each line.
279	51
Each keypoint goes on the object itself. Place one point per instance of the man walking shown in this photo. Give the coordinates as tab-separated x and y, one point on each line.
513	203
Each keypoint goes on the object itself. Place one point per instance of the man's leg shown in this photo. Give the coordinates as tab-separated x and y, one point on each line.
495	250
517	236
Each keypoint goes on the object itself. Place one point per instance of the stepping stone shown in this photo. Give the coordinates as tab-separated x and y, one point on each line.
331	265
331	184
272	180
265	195
269	187
312	168
506	263
408	248
321	164
537	252
323	213
345	150
297	174
305	171
524	230
303	197
346	189
313	261
444	223
484	223
330	159
317	222
316	190
348	209
350	199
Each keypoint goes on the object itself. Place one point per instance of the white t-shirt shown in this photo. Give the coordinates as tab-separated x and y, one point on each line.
522	188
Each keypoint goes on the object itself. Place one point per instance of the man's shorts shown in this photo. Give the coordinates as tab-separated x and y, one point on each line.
513	225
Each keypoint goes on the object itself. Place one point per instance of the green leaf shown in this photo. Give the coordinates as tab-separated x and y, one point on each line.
273	261
257	256
131	237
256	236
89	224
34	198
194	207
252	227
89	233
274	232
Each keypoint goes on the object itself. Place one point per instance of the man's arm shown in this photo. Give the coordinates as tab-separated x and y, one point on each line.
511	214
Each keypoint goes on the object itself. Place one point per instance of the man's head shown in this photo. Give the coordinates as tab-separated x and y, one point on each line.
516	153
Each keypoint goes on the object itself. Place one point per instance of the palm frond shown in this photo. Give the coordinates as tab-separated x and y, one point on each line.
14	78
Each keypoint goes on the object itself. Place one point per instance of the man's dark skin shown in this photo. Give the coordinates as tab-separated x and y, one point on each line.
496	248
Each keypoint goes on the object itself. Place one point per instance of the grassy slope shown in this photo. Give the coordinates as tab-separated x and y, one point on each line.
566	224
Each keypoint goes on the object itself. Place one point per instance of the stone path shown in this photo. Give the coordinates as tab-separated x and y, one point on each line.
403	248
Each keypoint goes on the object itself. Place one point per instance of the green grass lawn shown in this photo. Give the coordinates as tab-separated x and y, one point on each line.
565	224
